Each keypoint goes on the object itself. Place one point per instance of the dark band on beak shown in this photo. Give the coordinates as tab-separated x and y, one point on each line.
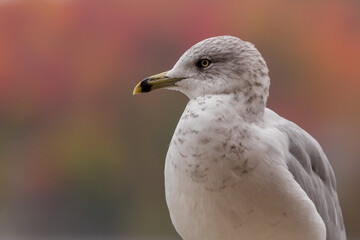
145	86
155	82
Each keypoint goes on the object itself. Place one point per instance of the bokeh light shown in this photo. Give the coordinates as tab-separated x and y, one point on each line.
80	157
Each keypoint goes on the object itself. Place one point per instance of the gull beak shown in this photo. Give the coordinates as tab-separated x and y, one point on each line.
155	82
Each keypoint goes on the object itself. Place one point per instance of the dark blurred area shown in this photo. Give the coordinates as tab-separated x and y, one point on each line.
81	158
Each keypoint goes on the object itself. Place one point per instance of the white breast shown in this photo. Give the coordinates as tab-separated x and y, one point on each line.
227	179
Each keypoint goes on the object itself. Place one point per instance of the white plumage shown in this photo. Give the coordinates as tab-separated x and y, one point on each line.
234	169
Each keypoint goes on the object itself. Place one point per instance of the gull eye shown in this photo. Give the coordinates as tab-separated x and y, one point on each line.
203	63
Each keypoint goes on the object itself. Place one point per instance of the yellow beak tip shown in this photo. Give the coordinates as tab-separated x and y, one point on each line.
137	89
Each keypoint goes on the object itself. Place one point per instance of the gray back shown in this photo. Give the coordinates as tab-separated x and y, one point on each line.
312	170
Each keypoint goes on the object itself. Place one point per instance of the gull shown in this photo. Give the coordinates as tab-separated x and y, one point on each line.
235	170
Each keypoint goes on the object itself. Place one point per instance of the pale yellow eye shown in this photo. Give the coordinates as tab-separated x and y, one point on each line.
204	63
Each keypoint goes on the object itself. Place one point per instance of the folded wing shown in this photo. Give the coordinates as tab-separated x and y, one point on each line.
313	172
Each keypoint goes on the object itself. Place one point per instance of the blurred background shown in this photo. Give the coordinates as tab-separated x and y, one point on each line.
82	158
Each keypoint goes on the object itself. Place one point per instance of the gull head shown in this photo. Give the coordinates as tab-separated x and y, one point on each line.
218	65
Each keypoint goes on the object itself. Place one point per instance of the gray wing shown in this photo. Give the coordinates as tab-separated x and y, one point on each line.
312	170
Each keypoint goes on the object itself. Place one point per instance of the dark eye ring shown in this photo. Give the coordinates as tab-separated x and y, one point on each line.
203	63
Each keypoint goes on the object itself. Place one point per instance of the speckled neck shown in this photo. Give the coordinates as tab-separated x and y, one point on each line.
249	105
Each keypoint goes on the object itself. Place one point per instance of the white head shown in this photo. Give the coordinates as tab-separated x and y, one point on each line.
218	65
